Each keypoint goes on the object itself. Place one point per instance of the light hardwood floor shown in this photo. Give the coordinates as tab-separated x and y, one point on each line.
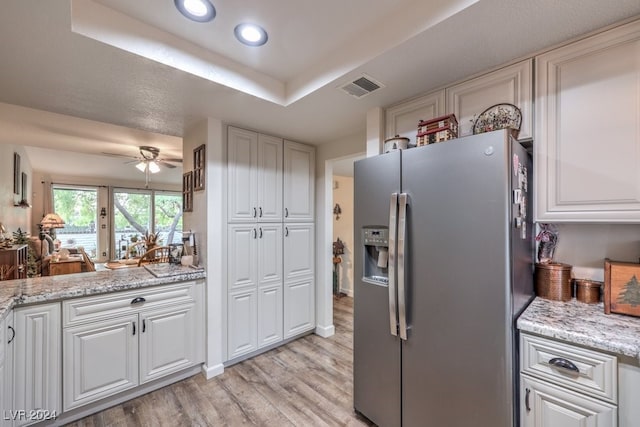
308	382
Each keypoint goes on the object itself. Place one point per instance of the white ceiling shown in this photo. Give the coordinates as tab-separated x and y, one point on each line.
144	68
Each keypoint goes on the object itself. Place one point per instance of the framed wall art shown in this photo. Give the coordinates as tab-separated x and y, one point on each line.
187	192
199	161
621	288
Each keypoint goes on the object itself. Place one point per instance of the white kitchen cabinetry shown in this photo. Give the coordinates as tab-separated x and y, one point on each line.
586	152
118	341
562	385
255	287
402	119
7	337
512	84
254	176
299	182
299	283
37	360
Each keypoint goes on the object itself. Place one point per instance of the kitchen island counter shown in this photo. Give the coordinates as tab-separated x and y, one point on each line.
54	288
583	324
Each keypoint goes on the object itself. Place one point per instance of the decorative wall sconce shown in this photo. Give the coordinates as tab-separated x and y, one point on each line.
103	213
337	211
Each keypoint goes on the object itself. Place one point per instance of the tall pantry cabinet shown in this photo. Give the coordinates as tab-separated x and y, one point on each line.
270	194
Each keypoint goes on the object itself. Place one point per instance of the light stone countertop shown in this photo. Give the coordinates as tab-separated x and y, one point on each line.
584	324
53	288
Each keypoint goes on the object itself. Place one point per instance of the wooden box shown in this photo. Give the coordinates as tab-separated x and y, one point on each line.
621	288
436	130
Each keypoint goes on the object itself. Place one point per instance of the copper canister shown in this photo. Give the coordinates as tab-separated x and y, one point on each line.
587	291
553	281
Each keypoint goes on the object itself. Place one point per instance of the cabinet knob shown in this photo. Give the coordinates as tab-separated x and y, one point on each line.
260	211
254	212
138	300
286	232
134	328
261	232
286	212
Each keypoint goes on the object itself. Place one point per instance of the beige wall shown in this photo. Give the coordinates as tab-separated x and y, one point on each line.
11	216
343	228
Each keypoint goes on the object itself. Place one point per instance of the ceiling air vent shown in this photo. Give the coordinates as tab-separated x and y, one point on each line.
361	86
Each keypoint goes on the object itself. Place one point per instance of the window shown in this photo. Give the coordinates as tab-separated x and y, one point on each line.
138	212
78	207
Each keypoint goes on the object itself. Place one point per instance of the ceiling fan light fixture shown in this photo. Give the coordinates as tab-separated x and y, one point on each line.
153	167
251	34
196	10
142	166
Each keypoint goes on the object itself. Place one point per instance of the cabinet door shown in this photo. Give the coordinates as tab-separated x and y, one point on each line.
269	254
37	363
546	405
299	307
242	175
6	369
299	182
402	119
269	178
242	253
299	257
587	122
100	359
242	335
168	341
269	315
512	84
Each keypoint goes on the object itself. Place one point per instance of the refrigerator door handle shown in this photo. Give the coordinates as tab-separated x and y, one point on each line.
402	233
393	213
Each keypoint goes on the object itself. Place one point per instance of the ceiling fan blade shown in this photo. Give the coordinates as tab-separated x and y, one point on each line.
119	155
165	164
171	160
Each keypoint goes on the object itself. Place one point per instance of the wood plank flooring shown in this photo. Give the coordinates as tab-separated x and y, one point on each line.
308	382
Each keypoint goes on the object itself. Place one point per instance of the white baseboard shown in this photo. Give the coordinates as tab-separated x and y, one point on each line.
348	292
212	371
325	331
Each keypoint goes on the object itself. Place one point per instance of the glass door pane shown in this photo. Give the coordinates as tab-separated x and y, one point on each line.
168	216
78	207
131	218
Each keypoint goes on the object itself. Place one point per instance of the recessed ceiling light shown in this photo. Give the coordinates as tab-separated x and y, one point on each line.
196	10
251	34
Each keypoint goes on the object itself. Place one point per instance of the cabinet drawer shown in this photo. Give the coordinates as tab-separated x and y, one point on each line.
596	375
88	309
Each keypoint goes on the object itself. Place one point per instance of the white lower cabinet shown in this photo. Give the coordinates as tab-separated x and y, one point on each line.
101	359
562	385
299	303
7	336
242	307
114	343
269	315
37	363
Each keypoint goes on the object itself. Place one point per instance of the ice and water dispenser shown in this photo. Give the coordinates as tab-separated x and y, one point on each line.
376	255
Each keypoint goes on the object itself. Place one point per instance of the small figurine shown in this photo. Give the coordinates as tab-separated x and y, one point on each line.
547	238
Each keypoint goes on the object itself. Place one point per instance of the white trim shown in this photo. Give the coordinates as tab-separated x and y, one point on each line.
325	331
213	371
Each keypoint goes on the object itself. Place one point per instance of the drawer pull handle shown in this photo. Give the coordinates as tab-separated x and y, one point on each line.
138	300
526	399
13	334
560	362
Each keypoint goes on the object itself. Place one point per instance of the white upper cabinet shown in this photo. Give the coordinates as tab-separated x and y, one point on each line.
299	182
512	85
402	119
587	148
254	176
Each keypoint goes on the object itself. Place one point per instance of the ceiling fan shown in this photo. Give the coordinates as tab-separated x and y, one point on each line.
148	161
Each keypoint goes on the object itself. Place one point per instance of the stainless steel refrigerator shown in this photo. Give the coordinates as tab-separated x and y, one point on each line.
443	266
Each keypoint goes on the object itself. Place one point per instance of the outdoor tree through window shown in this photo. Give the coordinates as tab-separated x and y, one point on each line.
78	207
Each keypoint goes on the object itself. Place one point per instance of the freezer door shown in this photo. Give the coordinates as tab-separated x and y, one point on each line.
457	359
376	352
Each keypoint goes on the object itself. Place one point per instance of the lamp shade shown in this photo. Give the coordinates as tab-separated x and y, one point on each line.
52	220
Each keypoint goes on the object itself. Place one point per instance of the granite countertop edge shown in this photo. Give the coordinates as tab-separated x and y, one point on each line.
56	288
583	324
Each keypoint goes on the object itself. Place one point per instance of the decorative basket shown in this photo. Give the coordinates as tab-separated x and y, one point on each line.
553	281
499	116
